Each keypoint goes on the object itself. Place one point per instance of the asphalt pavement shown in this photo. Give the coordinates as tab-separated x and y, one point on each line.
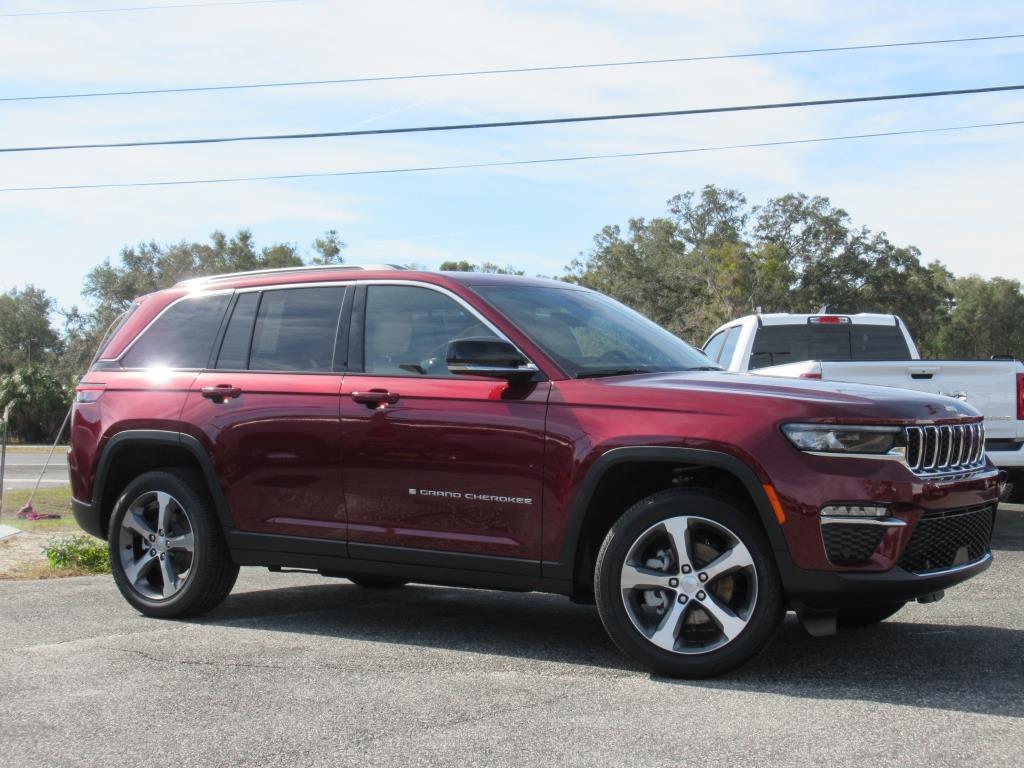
21	469
298	670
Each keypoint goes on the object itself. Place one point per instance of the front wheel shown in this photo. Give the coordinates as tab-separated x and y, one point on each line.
686	584
167	552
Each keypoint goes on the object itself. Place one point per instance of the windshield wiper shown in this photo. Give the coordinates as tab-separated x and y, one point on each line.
705	368
612	372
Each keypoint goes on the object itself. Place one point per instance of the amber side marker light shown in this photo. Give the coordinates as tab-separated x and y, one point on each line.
773	499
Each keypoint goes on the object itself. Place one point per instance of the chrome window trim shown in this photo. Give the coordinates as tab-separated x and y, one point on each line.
354	282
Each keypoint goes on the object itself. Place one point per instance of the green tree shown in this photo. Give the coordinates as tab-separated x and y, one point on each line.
38	399
487	266
987	319
713	258
329	248
26	335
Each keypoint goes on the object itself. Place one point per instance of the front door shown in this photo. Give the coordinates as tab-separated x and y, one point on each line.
435	462
268	411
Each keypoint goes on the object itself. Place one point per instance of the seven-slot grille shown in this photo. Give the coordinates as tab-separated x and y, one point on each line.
947	538
946	448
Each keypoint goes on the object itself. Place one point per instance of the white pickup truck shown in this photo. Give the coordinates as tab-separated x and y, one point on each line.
877	349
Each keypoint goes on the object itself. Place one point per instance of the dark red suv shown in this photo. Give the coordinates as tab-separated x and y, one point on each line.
389	426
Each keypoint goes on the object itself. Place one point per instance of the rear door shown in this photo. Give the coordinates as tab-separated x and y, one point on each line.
436	464
267	410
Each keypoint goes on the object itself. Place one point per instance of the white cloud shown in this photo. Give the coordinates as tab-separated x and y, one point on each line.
903	186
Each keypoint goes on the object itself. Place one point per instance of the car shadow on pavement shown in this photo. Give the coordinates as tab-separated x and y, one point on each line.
954	667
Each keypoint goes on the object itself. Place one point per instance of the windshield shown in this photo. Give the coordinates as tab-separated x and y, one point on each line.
589	334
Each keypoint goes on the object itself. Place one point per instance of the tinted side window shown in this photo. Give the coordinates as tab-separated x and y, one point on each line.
731	337
408	330
779	344
295	330
714	346
182	336
234	350
878	342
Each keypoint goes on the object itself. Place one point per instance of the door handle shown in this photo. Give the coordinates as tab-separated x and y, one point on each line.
375	398
221	392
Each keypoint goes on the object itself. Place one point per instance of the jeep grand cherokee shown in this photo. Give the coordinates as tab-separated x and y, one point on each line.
392	426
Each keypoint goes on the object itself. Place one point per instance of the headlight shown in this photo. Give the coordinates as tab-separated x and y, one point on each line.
832	438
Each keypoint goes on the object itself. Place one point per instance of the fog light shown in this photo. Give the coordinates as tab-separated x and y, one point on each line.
854	510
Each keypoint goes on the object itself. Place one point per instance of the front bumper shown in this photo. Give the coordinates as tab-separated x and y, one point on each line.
833	590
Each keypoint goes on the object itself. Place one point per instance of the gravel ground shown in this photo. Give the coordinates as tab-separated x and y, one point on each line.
296	670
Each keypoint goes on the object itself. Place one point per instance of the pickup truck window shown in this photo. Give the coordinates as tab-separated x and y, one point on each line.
588	334
713	347
780	344
732	337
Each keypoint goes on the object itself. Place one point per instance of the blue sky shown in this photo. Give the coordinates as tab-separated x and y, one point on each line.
956	196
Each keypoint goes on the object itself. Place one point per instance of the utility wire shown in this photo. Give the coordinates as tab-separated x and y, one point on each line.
515	70
84	11
508	163
518	123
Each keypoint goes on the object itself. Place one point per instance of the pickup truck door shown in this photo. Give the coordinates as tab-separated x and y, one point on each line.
436	463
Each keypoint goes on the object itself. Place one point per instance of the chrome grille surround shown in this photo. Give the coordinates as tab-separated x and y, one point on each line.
946	448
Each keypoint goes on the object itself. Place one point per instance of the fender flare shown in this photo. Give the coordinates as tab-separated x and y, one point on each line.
131	437
566	567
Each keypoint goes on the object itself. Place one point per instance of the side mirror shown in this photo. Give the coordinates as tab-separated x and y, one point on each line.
491	357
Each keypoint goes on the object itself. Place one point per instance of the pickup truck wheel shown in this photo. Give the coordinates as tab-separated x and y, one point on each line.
167	552
686	584
377	582
867	615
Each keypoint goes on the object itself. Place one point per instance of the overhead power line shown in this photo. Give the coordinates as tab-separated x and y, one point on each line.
123	9
509	71
517	123
509	163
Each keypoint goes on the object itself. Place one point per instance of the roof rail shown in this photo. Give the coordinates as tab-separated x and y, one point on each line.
285	270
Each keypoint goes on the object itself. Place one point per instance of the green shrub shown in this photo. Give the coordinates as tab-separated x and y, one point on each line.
77	552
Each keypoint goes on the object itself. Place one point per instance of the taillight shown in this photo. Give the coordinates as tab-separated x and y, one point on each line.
810	376
88	393
1020	396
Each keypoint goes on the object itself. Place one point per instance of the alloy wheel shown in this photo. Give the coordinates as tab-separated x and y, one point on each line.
689	585
156	545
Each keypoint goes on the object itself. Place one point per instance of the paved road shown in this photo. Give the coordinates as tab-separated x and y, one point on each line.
22	469
295	670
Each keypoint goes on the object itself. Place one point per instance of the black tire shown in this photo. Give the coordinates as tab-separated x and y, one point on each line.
867	615
377	582
211	573
764	610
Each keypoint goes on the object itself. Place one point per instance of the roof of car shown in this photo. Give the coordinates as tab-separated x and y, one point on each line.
336	272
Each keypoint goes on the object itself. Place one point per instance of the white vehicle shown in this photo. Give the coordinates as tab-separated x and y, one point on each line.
877	349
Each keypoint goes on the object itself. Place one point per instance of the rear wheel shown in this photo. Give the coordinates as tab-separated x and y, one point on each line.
167	552
867	615
686	584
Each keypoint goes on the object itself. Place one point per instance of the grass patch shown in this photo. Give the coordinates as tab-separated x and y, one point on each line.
79	552
56	500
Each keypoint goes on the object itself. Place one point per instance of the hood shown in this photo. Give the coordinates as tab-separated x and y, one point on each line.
724	392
